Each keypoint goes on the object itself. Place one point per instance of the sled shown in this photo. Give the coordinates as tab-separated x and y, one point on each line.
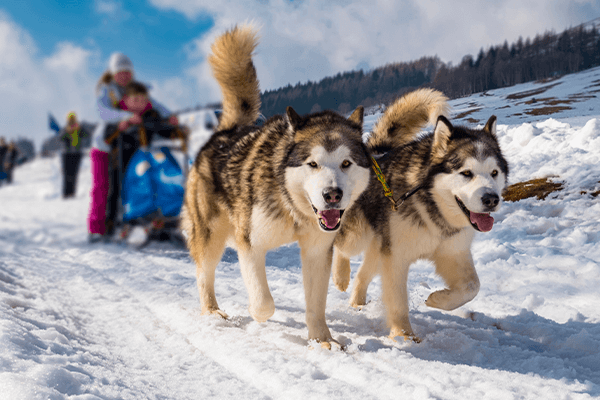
151	168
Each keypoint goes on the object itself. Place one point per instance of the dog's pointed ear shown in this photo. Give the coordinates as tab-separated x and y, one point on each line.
441	137
358	115
490	125
293	118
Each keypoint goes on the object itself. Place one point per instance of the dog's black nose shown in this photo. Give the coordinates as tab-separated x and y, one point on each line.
490	200
332	195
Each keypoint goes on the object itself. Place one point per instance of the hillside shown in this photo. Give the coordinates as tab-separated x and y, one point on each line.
548	55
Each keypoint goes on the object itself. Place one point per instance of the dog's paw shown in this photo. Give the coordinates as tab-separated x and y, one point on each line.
358	299
331	344
437	299
446	300
217	313
341	282
341	272
358	305
408	336
262	314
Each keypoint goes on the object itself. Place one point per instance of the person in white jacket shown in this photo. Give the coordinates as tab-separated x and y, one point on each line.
109	91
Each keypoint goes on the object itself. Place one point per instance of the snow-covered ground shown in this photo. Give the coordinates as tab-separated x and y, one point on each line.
80	321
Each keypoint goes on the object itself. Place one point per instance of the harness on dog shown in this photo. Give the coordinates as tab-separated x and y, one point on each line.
387	191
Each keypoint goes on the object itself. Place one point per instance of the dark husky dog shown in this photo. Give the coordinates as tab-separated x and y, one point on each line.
258	188
449	182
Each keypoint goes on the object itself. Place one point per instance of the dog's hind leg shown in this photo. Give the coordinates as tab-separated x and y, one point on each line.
365	275
458	271
207	251
252	262
316	254
394	276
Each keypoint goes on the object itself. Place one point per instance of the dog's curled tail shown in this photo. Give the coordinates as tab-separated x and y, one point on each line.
403	120
232	67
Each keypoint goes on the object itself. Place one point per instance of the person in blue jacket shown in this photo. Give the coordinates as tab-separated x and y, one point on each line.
109	93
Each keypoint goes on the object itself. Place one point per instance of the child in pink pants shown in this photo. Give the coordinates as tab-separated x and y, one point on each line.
99	192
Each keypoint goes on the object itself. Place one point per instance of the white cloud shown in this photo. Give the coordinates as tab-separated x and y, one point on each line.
32	86
174	93
112	10
68	57
311	39
107	7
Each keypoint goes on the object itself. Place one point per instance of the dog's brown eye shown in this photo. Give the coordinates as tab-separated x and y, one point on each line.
346	164
467	174
494	173
312	164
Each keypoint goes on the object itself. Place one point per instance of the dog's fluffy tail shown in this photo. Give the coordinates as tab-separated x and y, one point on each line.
403	120
231	63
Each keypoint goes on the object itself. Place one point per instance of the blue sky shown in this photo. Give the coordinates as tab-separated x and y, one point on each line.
53	52
156	39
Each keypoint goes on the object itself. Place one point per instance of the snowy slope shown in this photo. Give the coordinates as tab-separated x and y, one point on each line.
81	321
572	98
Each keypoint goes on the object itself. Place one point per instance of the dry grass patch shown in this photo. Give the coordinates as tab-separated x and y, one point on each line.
539	188
549	101
529	93
594	84
550	79
547	110
464	114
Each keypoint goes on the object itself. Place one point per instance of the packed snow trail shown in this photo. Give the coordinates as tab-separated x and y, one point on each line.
86	321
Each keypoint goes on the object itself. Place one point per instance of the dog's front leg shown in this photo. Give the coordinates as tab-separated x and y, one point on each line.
454	263
394	280
316	267
252	262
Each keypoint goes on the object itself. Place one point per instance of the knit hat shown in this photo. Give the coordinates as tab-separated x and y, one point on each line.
119	62
71	115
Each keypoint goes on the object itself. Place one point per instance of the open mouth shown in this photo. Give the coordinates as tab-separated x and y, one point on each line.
329	220
483	222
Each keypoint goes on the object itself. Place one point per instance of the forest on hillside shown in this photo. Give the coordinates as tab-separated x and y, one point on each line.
547	55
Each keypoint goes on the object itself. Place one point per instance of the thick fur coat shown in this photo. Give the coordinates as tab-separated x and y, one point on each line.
256	188
454	177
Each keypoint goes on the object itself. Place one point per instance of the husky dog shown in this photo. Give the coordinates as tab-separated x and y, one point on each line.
445	184
256	188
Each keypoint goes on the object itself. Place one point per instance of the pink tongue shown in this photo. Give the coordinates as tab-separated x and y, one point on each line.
330	218
484	222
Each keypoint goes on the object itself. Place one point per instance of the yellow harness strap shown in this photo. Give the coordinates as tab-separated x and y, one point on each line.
387	191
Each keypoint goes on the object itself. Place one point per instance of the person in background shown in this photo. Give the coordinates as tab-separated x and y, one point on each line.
71	136
109	93
10	160
3	150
